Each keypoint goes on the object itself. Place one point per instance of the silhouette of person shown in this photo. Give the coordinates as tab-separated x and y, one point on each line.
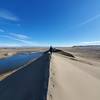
51	49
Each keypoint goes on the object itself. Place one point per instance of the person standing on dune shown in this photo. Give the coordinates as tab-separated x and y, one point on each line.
51	49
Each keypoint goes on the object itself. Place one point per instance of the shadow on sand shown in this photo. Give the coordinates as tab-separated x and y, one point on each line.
29	83
63	53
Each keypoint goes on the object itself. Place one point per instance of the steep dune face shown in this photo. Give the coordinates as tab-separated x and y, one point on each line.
73	79
28	83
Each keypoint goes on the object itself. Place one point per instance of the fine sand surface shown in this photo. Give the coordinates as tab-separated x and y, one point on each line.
70	79
28	83
73	79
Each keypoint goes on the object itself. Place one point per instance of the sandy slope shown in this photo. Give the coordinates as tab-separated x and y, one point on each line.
28	83
73	80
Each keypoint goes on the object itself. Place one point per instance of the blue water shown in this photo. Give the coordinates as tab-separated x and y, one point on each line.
16	61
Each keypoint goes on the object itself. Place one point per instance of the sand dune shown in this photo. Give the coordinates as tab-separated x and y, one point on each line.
73	79
28	83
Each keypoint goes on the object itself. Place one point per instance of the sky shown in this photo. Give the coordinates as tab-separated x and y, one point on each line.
49	22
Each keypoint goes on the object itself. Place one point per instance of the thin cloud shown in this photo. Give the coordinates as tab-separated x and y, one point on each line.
90	20
19	36
22	39
91	43
1	30
5	14
10	45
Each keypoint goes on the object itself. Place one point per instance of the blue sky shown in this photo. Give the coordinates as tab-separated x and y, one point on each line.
49	22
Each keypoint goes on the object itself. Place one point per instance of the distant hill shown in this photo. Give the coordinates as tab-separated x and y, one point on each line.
87	46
